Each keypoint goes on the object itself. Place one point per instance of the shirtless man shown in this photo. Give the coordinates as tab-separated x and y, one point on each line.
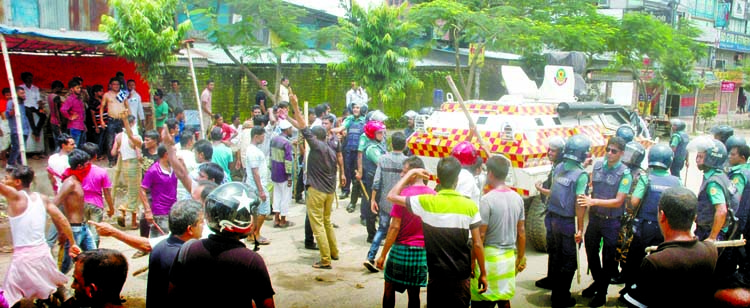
115	107
32	272
70	196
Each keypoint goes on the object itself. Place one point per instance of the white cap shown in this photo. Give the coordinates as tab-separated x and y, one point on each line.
284	124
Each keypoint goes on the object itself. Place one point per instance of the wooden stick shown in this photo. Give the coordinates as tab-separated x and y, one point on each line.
195	88
578	257
472	126
361	184
720	244
140	271
14	96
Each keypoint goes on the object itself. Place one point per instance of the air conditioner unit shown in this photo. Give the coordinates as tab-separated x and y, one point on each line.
720	64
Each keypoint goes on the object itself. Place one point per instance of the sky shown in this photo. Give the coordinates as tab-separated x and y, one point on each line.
332	6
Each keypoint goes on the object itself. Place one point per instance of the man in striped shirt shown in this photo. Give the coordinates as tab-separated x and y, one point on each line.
447	218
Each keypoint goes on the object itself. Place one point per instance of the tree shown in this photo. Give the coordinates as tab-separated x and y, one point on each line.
287	37
144	32
381	48
523	27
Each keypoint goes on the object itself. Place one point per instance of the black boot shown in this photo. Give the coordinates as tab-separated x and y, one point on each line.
590	291
561	292
601	295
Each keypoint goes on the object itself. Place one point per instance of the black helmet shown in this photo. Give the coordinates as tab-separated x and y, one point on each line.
625	132
722	132
735	141
660	155
577	148
678	125
633	154
716	155
230	208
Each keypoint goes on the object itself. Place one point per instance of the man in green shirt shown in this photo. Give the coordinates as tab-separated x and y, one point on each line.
161	110
222	154
644	204
610	181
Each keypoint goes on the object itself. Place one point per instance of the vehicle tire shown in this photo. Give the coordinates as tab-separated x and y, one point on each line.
536	232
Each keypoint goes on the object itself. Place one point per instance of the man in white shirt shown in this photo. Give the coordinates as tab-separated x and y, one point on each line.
356	94
206	101
259	179
284	90
136	105
186	155
33	104
58	162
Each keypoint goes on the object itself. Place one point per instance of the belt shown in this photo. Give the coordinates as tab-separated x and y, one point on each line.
555	215
80	224
607	217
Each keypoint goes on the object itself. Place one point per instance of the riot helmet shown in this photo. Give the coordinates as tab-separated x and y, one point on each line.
660	155
410	114
715	156
230	209
625	132
633	154
722	132
735	141
677	125
376	115
577	148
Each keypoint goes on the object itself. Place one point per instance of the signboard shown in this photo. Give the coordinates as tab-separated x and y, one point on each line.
739	8
727	86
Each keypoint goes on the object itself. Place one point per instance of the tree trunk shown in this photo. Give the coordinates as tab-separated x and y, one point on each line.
250	74
459	71
477	74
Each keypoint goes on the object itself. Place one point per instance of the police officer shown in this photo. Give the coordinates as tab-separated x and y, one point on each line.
555	147
644	204
570	180
713	200
678	142
611	181
739	174
374	131
354	125
632	158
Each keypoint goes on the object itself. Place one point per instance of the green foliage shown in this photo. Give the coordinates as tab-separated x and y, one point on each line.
287	37
143	31
381	49
708	111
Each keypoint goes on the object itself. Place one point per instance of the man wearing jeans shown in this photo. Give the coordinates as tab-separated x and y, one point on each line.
32	104
73	110
387	175
321	176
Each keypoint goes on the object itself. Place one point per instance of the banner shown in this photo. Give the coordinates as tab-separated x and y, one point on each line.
722	14
727	87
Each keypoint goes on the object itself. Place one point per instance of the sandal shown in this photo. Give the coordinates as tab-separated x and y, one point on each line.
263	241
120	221
321	266
286	225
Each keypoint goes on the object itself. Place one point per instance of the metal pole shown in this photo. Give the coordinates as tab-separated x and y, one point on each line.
195	87
695	109
16	110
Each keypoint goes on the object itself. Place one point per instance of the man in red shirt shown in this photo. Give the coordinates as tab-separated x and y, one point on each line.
227	132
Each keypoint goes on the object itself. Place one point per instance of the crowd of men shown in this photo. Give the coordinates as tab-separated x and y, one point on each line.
195	200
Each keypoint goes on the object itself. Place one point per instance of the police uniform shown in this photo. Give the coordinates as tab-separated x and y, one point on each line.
646	230
679	142
354	129
604	223
370	157
569	181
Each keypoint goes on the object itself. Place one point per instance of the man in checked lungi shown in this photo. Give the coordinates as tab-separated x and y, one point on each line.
504	237
406	267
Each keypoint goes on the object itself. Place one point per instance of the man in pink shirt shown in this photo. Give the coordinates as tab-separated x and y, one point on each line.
97	187
73	110
406	268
